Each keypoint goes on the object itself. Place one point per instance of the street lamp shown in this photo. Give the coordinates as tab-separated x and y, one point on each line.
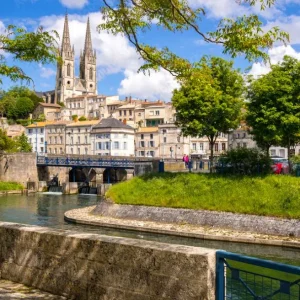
35	123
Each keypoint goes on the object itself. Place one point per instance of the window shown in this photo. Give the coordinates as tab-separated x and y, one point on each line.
50	150
124	112
29	131
42	149
72	150
78	105
194	146
223	146
42	140
151	136
125	145
216	147
85	139
68	70
60	140
130	112
78	139
152	153
61	150
116	145
157	112
201	146
55	150
142	144
50	140
273	152
42	130
165	139
55	140
151	144
142	136
85	151
142	153
91	74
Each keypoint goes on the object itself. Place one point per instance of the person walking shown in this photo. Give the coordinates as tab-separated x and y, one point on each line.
186	160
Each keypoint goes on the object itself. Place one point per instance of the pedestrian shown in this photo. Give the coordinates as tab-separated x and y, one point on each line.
183	158
186	160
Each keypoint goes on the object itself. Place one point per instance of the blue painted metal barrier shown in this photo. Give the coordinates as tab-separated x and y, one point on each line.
242	277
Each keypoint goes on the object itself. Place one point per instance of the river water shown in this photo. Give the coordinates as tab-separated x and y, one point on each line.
48	211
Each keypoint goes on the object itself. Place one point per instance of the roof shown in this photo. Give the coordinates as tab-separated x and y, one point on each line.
126	106
50	105
39	124
147	129
112	123
83	123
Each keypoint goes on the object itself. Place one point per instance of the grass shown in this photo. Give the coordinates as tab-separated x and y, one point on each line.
10	186
273	195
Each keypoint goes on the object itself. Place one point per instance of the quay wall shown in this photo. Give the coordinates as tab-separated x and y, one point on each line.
90	266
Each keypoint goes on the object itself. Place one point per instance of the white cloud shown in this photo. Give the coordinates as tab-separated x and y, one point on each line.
276	55
157	85
74	3
46	72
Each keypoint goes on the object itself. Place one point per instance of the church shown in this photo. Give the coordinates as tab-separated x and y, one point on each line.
67	84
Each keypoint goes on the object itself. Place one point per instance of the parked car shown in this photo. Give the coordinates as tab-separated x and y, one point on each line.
279	165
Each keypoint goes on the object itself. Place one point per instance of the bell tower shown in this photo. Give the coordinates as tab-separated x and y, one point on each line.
88	63
65	76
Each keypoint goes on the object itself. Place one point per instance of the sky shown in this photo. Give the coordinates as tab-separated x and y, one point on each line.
117	60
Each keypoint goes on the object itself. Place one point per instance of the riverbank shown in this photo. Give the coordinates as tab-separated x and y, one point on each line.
89	217
12	187
273	195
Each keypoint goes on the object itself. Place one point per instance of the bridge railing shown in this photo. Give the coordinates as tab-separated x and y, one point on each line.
80	162
243	277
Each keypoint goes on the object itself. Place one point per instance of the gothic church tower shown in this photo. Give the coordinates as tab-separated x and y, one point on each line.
88	63
65	76
67	84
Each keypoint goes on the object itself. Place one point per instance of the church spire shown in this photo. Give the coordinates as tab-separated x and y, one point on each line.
66	44
88	48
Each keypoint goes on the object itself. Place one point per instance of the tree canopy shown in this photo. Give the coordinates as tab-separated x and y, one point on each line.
242	35
209	102
273	108
22	45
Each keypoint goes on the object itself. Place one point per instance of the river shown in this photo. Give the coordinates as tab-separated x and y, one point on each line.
48	211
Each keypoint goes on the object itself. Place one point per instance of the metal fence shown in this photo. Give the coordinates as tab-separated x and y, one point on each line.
243	277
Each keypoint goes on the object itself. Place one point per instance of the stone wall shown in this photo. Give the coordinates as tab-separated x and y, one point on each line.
18	167
90	266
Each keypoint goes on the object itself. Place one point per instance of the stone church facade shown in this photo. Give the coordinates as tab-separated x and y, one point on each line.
67	84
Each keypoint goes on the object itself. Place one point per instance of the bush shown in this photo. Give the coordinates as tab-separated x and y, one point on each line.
244	161
23	122
83	118
75	118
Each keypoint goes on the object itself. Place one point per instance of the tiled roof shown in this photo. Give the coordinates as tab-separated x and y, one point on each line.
112	123
40	124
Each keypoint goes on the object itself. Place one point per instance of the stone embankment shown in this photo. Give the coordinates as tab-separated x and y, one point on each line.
190	223
90	266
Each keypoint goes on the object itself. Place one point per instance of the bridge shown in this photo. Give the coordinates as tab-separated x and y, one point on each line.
122	163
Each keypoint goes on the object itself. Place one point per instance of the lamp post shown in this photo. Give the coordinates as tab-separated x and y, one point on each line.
36	147
163	145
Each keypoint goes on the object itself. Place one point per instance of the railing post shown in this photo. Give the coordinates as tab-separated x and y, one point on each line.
220	277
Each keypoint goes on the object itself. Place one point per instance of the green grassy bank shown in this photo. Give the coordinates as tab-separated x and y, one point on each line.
270	196
10	186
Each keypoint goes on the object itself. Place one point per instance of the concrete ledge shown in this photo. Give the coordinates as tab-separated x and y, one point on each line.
85	216
90	266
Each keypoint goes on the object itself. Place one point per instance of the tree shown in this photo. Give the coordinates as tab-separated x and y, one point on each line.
21	45
22	143
6	143
133	18
273	108
209	101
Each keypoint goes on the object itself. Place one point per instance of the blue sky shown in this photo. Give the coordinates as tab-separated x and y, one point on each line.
117	61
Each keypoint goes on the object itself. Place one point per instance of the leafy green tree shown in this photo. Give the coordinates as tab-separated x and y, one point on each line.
241	36
6	143
209	101
22	143
21	45
273	108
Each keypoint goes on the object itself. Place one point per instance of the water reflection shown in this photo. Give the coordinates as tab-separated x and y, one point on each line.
48	210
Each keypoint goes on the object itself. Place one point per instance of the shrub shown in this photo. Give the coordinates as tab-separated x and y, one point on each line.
82	118
244	161
75	118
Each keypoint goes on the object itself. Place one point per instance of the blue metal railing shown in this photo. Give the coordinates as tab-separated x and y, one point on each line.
243	277
81	162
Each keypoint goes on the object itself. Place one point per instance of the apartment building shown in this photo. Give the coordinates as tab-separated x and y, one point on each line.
112	137
37	136
56	137
147	142
78	137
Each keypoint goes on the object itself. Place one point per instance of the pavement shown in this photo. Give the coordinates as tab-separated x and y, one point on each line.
13	291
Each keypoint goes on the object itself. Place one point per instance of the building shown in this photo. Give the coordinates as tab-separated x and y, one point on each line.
111	137
56	137
37	136
51	111
147	142
172	144
78	137
67	84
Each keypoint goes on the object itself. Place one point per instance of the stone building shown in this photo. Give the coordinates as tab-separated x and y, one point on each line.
78	137
51	111
147	142
56	137
112	138
67	84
